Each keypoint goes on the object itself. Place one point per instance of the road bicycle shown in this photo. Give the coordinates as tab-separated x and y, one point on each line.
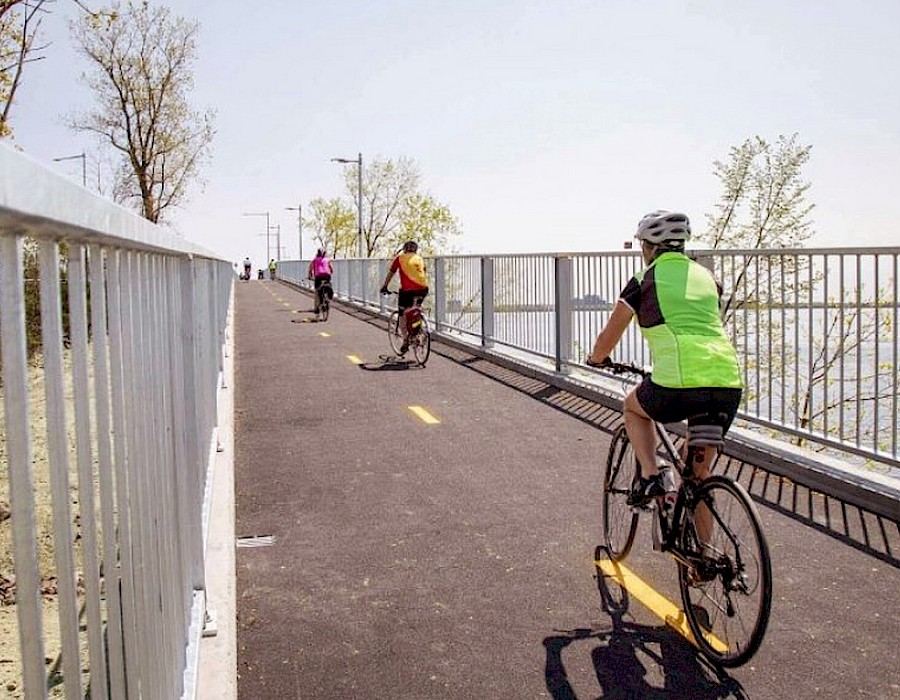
418	332
725	575
323	301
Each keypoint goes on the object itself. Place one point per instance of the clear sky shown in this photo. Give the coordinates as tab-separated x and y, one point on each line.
545	125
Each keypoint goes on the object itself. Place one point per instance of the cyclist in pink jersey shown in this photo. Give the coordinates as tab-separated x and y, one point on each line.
320	271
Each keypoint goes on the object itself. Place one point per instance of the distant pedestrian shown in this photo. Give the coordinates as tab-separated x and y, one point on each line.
273	266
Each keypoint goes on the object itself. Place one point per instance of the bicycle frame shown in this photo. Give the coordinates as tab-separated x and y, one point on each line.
417	301
323	290
686	500
669	518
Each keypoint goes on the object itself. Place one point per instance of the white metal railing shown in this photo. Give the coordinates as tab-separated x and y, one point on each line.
131	329
817	329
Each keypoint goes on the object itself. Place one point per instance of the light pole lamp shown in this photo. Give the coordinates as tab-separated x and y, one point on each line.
299	210
83	165
265	214
359	228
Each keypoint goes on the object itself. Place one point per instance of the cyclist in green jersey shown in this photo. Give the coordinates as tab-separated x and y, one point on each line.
695	374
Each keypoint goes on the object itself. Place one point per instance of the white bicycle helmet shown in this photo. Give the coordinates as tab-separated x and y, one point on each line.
661	226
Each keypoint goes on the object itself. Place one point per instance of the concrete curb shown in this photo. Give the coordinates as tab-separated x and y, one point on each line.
218	654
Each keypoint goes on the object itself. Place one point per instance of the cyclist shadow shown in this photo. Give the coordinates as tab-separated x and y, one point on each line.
390	363
311	318
617	658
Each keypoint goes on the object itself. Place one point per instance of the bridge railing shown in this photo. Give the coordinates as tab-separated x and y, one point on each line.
816	329
112	332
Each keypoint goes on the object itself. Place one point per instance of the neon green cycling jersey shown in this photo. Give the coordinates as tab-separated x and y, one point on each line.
676	301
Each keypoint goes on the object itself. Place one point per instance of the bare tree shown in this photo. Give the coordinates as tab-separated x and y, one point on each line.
142	60
20	21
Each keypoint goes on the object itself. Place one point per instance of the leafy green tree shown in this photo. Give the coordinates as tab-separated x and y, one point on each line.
763	208
142	74
333	223
427	221
395	208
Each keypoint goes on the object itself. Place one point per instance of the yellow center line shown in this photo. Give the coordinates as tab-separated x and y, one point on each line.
424	415
655	602
354	359
324	334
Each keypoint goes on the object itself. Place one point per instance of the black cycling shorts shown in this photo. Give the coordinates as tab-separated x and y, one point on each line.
320	280
406	299
700	406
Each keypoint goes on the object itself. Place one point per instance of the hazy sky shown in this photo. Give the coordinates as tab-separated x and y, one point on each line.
544	125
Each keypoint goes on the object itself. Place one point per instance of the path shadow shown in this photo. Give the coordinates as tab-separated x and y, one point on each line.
623	654
390	363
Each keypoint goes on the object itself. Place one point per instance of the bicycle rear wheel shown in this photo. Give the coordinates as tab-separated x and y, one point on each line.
421	344
395	335
728	596
323	308
619	519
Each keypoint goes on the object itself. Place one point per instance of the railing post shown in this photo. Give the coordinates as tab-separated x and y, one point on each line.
382	271
439	293
363	293
19	458
487	302
563	308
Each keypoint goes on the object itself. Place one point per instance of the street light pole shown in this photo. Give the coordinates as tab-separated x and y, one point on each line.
299	210
83	165
359	219
277	229
268	249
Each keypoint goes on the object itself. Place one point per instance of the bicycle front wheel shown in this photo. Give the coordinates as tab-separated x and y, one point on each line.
727	593
619	519
421	344
395	335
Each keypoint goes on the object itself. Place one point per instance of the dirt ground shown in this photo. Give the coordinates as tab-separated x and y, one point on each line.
10	661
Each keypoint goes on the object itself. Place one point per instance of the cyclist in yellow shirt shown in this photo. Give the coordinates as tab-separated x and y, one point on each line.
413	281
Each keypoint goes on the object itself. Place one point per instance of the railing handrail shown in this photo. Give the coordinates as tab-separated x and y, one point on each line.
52	206
478	296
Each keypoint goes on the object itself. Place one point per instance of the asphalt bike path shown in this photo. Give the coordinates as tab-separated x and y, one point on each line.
430	532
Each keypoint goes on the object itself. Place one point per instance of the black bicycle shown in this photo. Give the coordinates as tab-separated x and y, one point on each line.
323	301
724	567
418	334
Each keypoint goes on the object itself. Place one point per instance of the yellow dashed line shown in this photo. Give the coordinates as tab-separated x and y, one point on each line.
655	602
354	359
424	415
324	334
